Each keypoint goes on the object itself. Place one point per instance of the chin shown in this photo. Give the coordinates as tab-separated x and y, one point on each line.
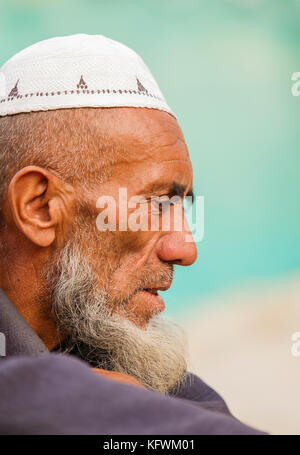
143	306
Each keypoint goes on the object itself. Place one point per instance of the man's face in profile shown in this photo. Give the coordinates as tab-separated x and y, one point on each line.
133	266
113	277
102	286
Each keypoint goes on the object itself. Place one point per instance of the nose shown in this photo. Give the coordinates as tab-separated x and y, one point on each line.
177	248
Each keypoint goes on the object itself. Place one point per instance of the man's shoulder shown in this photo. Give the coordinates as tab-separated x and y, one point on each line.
196	390
58	394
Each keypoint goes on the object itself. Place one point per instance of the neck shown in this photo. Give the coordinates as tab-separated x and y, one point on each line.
21	282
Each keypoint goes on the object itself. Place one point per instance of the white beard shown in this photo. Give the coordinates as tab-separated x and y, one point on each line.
156	356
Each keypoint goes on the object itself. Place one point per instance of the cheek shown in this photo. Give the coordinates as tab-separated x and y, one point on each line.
136	242
134	254
103	253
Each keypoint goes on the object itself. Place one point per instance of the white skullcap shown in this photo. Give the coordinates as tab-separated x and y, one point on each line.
77	71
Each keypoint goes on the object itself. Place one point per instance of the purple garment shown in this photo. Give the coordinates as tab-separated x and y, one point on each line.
59	394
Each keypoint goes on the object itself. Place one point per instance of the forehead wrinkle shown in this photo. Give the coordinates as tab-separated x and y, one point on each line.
147	142
159	147
162	181
152	154
148	132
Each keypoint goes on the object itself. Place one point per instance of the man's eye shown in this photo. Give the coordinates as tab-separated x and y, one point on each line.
160	202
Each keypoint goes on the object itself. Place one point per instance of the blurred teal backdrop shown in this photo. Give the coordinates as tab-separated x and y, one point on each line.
225	68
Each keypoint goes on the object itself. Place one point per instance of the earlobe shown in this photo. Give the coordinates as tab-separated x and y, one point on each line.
32	193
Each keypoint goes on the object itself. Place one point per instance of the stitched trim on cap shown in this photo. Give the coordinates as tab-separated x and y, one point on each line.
77	92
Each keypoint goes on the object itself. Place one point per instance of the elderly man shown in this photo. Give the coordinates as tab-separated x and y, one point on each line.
81	117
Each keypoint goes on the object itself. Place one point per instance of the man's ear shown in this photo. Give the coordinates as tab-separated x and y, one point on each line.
40	203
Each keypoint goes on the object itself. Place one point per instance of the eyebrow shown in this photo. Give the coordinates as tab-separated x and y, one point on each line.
175	189
179	190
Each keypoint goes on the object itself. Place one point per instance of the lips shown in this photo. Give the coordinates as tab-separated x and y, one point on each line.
146	303
152	291
153	300
156	289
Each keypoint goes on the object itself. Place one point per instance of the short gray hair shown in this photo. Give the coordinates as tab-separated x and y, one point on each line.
62	141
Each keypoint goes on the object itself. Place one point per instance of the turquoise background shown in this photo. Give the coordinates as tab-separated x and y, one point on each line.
225	68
